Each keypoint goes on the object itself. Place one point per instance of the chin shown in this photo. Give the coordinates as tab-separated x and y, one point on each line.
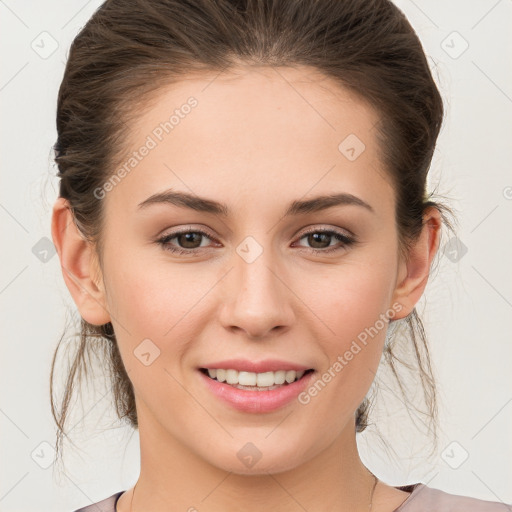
249	460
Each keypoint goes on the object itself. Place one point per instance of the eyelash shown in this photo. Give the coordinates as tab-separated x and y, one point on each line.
164	241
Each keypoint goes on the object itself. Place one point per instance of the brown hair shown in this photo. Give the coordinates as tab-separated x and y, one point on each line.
129	49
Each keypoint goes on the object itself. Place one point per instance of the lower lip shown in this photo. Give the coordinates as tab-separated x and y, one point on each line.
257	401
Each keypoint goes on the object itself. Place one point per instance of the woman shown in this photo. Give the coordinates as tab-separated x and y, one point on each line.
243	221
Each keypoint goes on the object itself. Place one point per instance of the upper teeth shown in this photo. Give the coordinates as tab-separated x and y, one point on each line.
255	379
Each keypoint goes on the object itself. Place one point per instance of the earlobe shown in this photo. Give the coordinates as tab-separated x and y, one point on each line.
79	265
414	273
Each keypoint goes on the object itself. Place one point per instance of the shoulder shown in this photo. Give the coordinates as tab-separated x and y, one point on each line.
106	505
428	499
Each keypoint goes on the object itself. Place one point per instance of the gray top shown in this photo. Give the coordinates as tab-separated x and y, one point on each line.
421	499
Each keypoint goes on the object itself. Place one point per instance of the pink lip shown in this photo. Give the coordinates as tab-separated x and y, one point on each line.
267	365
257	401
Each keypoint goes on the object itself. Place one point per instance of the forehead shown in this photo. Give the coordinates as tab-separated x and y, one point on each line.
268	131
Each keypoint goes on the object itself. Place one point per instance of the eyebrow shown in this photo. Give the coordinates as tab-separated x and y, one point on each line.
201	204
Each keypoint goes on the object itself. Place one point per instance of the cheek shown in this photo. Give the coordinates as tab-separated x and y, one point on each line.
150	319
352	309
156	301
351	333
348	300
146	296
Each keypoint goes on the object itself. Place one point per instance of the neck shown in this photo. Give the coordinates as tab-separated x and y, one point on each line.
173	474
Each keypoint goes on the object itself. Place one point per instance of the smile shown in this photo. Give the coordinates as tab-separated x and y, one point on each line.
252	392
254	381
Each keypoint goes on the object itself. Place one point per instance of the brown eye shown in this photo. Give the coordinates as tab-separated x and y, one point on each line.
189	240
186	241
320	240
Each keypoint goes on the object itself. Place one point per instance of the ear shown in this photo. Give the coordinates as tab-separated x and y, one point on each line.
79	264
413	274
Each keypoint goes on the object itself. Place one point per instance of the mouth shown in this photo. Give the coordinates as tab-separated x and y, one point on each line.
252	381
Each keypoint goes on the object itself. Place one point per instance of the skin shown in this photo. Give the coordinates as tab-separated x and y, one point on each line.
268	137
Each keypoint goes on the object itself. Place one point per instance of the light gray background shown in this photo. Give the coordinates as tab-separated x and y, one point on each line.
467	305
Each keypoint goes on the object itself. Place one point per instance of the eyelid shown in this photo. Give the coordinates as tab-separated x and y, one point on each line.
316	227
164	240
186	229
313	228
346	240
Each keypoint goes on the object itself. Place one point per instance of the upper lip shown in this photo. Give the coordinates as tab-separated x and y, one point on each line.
267	365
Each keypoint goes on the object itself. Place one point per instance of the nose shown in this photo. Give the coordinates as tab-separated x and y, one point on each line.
257	299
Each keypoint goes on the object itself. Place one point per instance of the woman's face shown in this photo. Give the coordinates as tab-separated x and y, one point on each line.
263	283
